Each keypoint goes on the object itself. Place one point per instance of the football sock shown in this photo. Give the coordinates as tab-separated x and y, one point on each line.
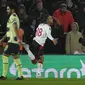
19	67
40	66
5	65
30	54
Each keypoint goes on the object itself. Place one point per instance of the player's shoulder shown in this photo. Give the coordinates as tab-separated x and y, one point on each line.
44	26
14	15
47	26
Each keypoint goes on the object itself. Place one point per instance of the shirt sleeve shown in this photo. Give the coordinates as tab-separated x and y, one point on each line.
48	31
13	20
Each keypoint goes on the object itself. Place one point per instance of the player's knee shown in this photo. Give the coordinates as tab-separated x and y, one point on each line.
40	61
17	61
34	61
5	59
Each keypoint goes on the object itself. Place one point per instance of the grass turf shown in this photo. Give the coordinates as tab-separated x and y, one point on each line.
43	82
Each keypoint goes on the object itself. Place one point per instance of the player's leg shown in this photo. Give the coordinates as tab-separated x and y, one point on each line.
5	67
40	66
40	61
30	54
19	66
15	54
5	62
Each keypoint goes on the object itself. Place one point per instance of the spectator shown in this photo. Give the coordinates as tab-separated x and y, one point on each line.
82	21
81	16
66	19
48	5
36	16
3	16
20	1
73	7
29	4
72	40
64	16
52	5
24	23
22	14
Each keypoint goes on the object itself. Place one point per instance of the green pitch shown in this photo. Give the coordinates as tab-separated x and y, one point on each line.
43	82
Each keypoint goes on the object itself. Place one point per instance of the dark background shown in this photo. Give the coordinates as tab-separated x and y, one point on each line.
78	11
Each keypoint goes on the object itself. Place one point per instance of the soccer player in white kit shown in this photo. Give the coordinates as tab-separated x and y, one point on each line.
36	49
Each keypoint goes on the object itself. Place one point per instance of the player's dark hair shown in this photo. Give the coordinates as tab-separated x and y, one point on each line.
13	6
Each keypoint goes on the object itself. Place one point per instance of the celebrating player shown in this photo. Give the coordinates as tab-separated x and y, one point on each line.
12	47
36	49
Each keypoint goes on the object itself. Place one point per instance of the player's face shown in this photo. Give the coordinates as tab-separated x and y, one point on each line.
8	10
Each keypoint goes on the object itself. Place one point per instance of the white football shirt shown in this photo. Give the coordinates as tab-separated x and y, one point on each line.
42	32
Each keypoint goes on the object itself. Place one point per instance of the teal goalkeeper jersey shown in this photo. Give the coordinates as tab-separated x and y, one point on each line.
11	31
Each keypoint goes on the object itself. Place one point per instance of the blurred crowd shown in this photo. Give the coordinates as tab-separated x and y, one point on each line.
70	15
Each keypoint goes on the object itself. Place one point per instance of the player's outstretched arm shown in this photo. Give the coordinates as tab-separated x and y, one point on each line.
48	30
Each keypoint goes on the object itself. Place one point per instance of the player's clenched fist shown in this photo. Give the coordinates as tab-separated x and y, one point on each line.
55	41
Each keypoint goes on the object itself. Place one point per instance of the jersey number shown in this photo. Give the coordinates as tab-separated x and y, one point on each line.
39	32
